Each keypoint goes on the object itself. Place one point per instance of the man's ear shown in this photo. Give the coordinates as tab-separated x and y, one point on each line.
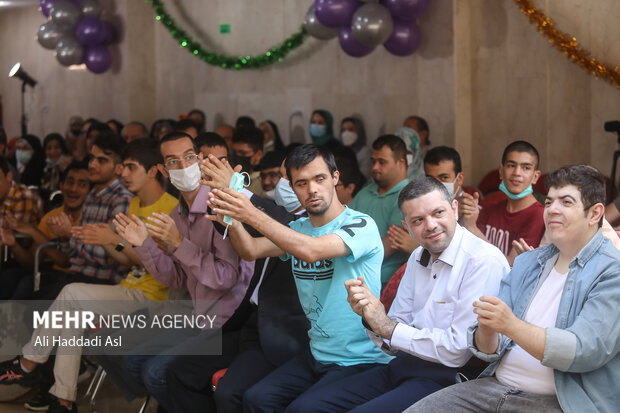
152	172
460	177
255	160
536	176
336	178
595	213
9	176
501	172
118	169
163	171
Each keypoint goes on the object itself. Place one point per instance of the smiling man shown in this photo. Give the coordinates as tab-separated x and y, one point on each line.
331	245
426	327
518	218
552	334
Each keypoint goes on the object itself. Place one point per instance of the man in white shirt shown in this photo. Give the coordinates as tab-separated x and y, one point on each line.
426	328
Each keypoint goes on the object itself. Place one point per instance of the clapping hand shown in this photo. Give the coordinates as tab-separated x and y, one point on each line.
131	229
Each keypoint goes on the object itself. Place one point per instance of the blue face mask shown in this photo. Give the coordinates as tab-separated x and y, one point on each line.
316	130
285	197
526	191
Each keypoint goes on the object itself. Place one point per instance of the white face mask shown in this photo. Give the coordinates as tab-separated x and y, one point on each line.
348	137
450	187
187	179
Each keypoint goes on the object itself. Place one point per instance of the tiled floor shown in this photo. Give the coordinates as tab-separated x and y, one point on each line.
109	400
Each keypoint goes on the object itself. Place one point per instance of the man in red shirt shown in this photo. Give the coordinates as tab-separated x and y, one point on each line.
517	221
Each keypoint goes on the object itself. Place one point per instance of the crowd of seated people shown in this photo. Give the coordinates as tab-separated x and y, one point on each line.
356	273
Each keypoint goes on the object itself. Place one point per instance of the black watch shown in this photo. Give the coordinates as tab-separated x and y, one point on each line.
121	245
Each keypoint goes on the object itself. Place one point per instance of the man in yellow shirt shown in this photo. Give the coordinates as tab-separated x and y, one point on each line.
140	176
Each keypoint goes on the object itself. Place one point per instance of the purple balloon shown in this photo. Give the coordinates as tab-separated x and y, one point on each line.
89	31
97	59
404	40
406	10
335	13
109	33
351	46
46	6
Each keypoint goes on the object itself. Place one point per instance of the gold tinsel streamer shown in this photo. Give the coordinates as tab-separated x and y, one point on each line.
568	45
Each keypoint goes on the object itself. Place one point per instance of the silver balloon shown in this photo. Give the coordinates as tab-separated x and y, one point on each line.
315	28
90	8
69	51
48	35
65	14
372	24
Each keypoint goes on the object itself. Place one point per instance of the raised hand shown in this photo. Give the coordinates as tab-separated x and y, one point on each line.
96	234
163	228
60	225
216	173
468	209
401	239
232	203
131	229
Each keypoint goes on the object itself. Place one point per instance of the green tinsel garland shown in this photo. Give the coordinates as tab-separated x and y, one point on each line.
273	55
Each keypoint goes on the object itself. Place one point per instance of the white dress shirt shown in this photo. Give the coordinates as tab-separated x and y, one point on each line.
433	305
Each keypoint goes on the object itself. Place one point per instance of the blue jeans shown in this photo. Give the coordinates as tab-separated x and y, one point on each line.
485	395
150	372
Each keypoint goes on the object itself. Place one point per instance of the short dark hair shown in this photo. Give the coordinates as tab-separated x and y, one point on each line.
350	174
117	123
272	159
589	181
521	146
184	124
422	186
210	139
250	135
444	153
58	138
73	166
304	154
145	130
244	122
95	125
396	144
111	144
175	136
145	151
422	126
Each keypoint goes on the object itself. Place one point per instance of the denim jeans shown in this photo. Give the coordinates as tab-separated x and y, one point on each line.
485	395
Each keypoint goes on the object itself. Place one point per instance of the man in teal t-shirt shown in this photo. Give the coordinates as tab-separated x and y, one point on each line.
332	245
380	198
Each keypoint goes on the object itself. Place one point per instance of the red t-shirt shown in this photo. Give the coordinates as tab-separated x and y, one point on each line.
502	227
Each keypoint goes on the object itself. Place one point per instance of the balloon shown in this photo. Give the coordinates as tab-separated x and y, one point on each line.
406	10
46	6
335	13
351	46
90	8
405	39
69	51
89	31
65	14
372	24
48	35
97	59
315	28
109	33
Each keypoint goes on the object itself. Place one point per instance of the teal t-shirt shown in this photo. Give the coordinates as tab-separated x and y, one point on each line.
384	210
336	332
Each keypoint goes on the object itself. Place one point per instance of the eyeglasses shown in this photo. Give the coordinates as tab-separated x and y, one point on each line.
178	163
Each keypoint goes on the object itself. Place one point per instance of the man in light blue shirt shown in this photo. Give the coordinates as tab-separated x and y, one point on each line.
333	244
380	198
552	335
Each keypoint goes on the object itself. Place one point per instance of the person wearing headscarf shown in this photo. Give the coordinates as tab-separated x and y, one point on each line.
415	162
29	160
272	142
353	136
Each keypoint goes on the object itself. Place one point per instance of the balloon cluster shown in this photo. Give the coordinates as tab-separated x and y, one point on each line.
76	32
362	25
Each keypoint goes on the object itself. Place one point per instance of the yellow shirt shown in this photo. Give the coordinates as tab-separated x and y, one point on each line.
45	230
138	278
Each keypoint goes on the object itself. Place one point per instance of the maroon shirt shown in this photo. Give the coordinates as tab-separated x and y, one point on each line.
502	227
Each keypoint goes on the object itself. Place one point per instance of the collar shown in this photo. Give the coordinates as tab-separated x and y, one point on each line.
581	258
108	189
448	255
396	188
200	202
